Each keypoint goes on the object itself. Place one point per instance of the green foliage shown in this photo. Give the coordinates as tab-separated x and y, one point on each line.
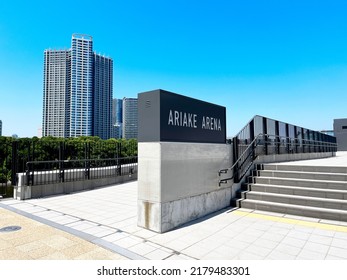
5	173
5	158
54	148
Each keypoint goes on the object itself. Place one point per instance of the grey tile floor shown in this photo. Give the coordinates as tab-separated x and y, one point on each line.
107	217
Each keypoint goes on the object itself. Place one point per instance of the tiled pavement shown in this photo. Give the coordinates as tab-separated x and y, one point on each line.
106	217
35	240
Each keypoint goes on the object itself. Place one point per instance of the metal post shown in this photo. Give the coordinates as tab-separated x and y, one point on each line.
235	157
296	140
14	163
277	132
287	137
27	173
302	141
251	136
61	162
266	138
87	162
119	160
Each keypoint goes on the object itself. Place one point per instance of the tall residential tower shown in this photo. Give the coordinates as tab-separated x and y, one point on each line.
77	91
81	95
56	93
103	85
117	117
130	118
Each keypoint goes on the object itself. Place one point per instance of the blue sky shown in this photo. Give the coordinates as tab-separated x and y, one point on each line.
286	60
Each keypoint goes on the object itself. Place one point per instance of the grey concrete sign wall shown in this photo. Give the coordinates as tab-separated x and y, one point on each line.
170	117
181	147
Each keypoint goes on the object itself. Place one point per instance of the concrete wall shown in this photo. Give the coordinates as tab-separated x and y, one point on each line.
51	177
22	192
340	132
178	182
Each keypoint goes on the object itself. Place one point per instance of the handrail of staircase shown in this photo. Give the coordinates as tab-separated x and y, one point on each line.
251	145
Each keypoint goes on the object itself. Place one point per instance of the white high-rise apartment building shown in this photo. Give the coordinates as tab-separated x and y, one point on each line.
56	93
77	91
130	118
81	98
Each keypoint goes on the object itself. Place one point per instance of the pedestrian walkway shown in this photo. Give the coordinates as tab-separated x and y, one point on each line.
107	217
34	240
339	160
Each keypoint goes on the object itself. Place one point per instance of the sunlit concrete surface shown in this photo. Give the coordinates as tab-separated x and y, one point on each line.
107	217
339	160
35	240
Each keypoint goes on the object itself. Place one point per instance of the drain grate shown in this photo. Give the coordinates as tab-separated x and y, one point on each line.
10	229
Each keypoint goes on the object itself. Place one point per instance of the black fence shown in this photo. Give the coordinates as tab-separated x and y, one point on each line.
283	138
6	165
16	153
60	171
264	136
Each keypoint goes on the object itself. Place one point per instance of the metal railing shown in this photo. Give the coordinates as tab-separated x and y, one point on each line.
15	153
60	171
243	163
256	139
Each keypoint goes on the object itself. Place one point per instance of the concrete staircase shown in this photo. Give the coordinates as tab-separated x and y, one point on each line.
312	191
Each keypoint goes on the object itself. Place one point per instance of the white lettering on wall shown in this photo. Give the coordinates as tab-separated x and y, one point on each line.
170	122
211	123
177	118
184	119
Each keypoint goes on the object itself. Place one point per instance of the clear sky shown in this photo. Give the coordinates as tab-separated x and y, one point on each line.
284	59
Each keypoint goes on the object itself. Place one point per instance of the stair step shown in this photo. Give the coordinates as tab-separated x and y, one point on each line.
297	200
339	185
306	168
313	191
315	212
301	191
303	175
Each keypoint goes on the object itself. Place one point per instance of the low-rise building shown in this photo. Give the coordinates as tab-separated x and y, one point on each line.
340	132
